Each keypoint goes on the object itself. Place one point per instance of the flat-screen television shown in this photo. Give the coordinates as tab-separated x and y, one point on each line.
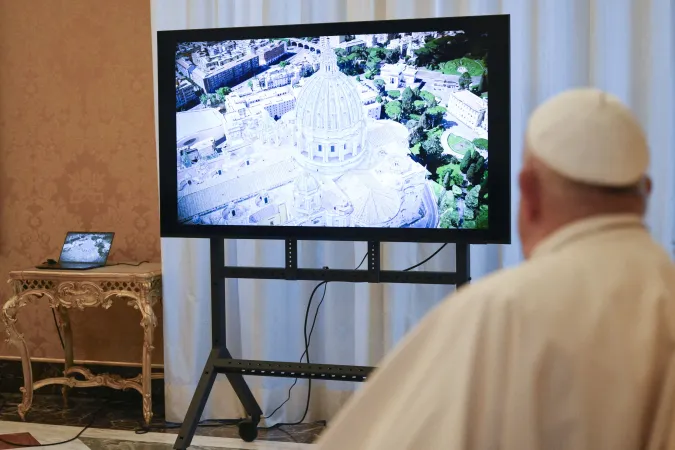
372	131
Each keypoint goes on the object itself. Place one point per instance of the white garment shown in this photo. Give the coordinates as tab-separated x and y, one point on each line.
574	349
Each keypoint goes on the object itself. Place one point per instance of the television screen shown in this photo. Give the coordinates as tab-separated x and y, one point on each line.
369	131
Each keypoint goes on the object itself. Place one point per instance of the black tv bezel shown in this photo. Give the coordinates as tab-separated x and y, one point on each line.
499	135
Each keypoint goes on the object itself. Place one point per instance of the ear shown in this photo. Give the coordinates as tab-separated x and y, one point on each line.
647	186
530	193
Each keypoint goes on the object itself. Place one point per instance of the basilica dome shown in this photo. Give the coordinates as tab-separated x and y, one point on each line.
305	184
330	121
306	194
329	103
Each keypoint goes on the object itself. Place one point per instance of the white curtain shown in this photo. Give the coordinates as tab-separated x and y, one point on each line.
623	46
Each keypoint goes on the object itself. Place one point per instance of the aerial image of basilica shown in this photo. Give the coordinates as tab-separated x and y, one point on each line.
385	130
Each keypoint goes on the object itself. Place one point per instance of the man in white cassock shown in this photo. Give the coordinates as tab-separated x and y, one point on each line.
575	348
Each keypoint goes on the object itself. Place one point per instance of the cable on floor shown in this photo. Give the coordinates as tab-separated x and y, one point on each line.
77	436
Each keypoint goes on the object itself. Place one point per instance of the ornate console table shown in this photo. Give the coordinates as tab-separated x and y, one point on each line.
140	286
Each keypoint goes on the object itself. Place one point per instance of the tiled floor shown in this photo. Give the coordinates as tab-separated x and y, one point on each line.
113	426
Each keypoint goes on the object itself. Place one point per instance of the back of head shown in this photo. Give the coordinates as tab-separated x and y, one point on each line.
586	154
590	137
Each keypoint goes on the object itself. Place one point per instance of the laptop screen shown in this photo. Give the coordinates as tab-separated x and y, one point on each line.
86	248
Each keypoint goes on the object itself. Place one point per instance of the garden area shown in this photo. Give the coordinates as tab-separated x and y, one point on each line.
461	188
471	66
365	61
459	145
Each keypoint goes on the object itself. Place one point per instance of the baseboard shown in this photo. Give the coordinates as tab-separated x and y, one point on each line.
11	377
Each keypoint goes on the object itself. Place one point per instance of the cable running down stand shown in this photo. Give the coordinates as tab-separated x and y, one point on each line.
220	360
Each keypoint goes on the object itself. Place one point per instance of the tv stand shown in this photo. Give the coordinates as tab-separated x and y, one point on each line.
220	360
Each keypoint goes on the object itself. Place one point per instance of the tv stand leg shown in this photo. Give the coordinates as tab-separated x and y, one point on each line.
201	395
243	392
196	408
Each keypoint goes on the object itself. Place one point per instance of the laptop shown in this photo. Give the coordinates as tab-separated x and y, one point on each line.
81	251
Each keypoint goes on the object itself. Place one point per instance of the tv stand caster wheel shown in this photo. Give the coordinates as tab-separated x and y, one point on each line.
248	430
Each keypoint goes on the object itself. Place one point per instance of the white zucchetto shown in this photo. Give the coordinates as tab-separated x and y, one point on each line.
589	136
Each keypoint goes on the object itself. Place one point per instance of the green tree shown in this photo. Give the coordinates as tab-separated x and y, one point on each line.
484	185
452	179
432	147
393	110
407	99
416	133
378	99
454	218
377	53
444	221
457	191
393	56
471	200
223	92
283	64
373	66
358	78
476	175
369	75
466	161
471	172
426	121
481	143
431	152
457	179
419	106
379	84
445	180
447	202
250	84
468	215
450	219
394	94
485	82
446	171
203	99
436	115
349	64
465	80
482	218
429	99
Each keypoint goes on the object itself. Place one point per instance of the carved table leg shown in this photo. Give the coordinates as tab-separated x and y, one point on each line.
148	322
9	312
67	335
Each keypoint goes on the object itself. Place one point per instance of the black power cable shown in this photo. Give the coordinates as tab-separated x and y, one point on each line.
127	264
309	337
426	260
77	436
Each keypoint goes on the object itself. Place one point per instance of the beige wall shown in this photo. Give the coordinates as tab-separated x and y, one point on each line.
77	152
